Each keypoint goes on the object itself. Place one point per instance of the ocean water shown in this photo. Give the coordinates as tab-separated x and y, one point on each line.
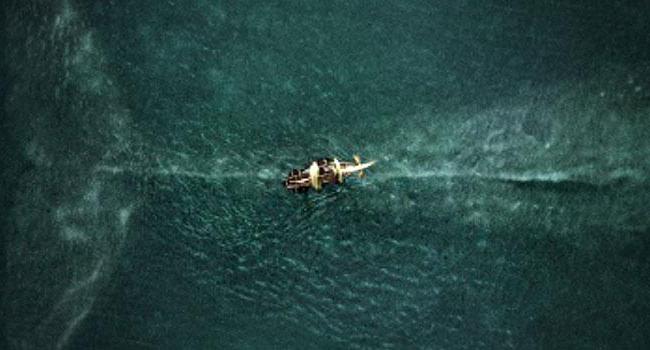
145	143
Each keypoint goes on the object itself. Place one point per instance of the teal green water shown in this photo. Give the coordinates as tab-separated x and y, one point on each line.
144	204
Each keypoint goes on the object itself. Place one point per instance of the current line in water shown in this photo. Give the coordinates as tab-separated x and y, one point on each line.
270	174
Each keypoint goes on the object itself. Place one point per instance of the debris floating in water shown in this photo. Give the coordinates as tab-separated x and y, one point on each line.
324	171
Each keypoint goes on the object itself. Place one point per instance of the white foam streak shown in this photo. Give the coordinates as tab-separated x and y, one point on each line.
267	174
556	176
576	174
175	171
72	325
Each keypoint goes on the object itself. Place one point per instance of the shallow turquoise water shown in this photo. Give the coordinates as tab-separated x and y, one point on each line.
145	206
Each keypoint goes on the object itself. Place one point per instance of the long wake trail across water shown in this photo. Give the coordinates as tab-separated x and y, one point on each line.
560	176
